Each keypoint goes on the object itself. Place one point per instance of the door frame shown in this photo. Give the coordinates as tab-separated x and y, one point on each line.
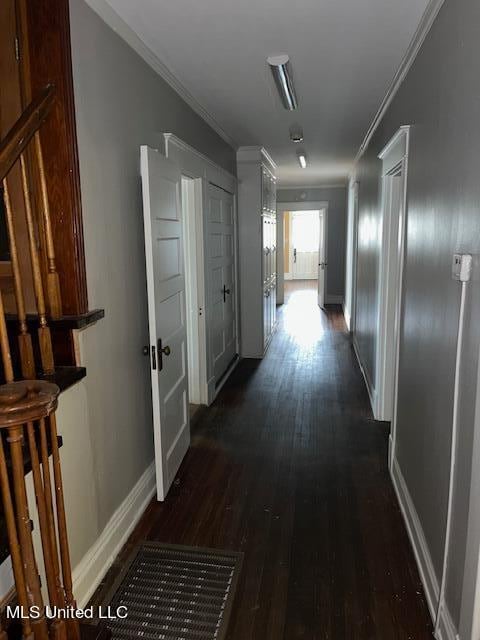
351	255
394	158
197	167
282	207
192	240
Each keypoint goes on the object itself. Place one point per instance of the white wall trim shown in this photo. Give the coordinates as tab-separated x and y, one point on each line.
395	154
446	628
197	166
90	571
370	389
115	22
414	47
417	539
192	160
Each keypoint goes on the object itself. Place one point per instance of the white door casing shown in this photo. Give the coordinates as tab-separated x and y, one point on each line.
197	167
394	206
161	184
322	258
220	276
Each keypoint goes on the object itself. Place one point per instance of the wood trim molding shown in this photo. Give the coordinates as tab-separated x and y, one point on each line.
47	60
206	168
115	22
428	18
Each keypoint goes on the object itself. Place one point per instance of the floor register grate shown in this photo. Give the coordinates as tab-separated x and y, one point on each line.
175	593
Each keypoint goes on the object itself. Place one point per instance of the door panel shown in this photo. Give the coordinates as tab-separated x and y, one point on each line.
220	283
166	313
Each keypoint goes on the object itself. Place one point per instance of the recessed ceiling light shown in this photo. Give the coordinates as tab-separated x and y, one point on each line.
302	159
282	74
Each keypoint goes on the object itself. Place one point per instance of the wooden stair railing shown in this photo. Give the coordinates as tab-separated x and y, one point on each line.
15	148
27	409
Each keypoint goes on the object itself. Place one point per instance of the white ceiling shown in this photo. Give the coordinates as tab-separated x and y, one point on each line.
344	55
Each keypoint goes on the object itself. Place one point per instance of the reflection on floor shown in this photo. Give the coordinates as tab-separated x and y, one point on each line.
289	467
302	315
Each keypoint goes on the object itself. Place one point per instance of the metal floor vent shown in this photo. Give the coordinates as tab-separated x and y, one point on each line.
175	593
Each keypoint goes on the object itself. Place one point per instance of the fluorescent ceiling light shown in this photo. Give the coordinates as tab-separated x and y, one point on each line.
282	74
302	159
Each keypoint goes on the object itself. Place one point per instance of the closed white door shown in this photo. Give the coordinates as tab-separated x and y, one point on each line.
161	183
322	259
220	276
305	233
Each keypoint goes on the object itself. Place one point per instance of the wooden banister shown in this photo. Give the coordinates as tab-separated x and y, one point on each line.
35	219
24	129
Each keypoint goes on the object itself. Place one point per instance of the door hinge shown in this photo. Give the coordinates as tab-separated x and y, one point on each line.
17	49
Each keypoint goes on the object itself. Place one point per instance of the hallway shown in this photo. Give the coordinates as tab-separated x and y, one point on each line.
288	467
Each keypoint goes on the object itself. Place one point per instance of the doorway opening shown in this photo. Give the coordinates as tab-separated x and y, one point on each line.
305	242
305	250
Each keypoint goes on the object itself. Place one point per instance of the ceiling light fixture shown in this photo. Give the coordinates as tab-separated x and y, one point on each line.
296	134
302	159
282	74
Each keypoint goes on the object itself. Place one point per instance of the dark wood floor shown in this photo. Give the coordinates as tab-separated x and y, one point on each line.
289	467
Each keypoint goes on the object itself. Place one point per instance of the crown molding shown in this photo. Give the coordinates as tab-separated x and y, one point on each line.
108	14
255	153
171	138
428	18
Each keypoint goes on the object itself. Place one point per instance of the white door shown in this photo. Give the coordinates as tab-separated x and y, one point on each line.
322	259
305	233
161	183
220	279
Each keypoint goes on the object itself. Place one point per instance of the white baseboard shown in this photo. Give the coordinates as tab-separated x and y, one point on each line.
88	574
446	629
417	539
287	276
225	377
372	394
333	299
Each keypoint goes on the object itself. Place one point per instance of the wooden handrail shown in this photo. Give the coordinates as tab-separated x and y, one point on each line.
14	143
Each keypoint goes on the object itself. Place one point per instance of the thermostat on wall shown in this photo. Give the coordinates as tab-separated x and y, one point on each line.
462	267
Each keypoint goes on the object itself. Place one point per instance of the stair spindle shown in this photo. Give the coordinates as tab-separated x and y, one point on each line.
5	346
45	340
24	338
15	550
53	282
73	626
47	483
58	626
34	592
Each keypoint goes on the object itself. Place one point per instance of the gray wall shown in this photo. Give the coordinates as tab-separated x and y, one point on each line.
337	206
440	98
120	104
